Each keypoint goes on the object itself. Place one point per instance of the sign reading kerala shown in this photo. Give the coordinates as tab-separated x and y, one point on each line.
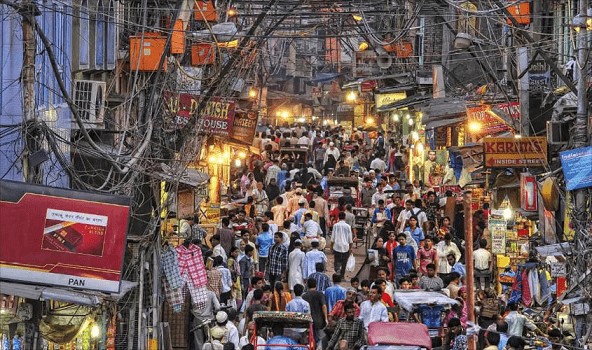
243	129
215	118
62	237
490	125
508	152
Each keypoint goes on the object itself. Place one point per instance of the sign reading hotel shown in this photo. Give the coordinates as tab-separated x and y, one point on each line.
62	237
508	152
490	125
216	118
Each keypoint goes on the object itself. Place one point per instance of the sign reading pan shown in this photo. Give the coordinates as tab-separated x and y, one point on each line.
508	152
62	237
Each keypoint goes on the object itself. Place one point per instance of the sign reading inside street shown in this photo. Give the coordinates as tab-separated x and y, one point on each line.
577	167
62	237
508	152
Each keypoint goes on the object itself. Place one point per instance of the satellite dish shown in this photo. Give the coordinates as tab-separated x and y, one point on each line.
384	61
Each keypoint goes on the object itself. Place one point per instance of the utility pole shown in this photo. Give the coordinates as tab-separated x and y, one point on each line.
469	266
28	86
580	214
523	93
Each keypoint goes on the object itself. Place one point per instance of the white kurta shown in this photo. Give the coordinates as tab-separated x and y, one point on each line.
295	266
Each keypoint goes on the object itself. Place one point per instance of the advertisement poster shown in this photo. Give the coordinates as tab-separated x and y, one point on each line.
498	228
507	152
62	237
577	168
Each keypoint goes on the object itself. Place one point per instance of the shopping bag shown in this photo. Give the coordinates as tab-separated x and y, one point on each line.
351	263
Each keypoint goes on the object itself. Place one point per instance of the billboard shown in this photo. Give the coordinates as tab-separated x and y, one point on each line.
577	168
508	152
215	118
62	237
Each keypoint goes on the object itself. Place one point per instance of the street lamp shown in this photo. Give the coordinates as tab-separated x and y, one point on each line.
352	96
252	92
475	127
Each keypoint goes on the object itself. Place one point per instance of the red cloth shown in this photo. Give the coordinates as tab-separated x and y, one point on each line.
526	298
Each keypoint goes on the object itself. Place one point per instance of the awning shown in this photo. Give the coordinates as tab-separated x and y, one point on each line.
406	102
190	177
432	124
324	77
87	298
442	108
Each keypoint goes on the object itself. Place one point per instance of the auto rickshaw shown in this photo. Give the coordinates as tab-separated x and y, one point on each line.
295	327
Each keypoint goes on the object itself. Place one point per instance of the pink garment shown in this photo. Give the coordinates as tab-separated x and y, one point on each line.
191	265
426	257
526	295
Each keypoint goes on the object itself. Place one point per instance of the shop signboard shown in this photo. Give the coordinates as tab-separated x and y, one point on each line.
498	228
558	269
528	192
490	125
244	127
216	117
539	76
577	167
62	237
508	152
213	213
388	98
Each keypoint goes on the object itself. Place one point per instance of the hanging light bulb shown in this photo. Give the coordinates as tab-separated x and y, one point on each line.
410	121
363	46
396	117
508	213
95	331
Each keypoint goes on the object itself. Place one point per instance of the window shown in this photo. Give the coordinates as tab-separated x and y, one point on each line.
420	42
84	36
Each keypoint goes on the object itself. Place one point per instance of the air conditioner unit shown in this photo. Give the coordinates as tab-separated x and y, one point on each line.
89	97
557	132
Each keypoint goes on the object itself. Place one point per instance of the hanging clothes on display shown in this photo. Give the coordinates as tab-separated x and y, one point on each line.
187	275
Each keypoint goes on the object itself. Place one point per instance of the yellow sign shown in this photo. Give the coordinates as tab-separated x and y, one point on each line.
386	99
508	152
213	213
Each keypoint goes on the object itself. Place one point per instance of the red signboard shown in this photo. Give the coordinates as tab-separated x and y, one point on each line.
216	118
491	125
62	237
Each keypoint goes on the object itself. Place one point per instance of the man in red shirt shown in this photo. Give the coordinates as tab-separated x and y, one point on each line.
338	311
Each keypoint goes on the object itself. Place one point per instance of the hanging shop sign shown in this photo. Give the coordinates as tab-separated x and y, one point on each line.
539	76
62	237
508	152
577	168
528	192
558	269
387	99
244	127
489	123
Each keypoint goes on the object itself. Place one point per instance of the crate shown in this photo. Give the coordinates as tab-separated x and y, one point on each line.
205	11
203	54
145	55
178	38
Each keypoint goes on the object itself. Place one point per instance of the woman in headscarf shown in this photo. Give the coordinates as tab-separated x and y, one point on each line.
331	163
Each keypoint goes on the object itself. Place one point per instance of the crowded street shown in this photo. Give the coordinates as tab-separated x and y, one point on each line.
295	175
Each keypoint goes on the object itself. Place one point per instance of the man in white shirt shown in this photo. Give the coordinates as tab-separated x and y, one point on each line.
331	150
378	195
218	250
517	321
304	141
404	215
373	310
379	164
312	230
341	243
483	265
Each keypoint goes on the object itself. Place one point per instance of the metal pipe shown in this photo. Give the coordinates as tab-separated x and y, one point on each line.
468	212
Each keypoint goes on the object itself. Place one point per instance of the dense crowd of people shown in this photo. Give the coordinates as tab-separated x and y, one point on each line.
274	252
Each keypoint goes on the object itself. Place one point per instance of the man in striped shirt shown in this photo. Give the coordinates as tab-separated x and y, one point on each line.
430	282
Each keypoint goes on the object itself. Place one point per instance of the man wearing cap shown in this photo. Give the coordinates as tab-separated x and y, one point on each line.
295	201
296	265
338	311
332	150
221	327
313	257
